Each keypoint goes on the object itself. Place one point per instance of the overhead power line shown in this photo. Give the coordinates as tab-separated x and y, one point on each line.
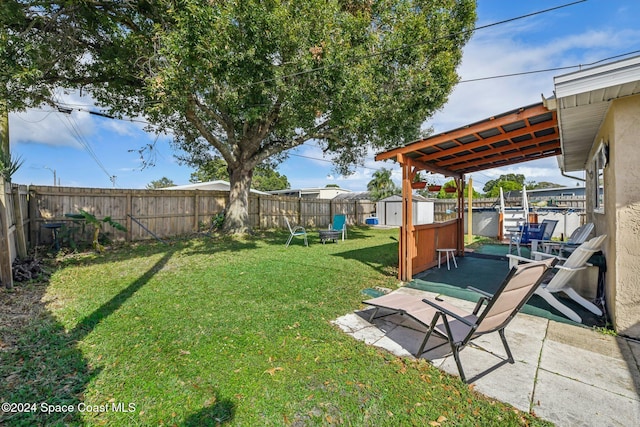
75	131
412	45
545	70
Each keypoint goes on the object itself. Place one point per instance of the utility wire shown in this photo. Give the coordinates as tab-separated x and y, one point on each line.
75	131
412	45
568	67
306	143
358	58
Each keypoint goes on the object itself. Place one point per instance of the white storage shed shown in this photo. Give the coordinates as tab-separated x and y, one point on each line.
389	210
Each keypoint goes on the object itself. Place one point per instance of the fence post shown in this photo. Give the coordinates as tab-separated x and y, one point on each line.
127	216
196	205
6	274
21	241
260	222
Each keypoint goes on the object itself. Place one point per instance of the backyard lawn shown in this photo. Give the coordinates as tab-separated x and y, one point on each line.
209	331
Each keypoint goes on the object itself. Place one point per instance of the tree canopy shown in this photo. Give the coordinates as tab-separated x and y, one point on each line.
247	80
381	185
163	182
513	182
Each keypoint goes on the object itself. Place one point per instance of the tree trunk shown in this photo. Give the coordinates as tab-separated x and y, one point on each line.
236	219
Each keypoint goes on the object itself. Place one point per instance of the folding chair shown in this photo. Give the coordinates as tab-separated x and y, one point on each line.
459	327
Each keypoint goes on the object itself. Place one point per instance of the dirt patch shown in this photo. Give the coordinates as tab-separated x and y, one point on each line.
19	306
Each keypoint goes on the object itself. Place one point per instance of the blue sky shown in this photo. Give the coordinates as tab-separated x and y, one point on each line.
87	150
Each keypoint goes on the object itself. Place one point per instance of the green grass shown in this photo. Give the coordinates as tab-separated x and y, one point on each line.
226	331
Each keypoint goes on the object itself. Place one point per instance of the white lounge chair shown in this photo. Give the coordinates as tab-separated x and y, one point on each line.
560	281
578	237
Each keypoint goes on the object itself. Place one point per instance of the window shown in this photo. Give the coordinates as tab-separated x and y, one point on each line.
599	163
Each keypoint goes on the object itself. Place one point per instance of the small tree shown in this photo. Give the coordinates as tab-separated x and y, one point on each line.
382	185
97	224
163	182
9	165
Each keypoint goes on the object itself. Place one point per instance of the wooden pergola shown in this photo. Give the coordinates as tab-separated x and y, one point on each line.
528	133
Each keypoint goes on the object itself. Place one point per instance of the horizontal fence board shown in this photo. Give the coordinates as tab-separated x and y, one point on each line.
169	213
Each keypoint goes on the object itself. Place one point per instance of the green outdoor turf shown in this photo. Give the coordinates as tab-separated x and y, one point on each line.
213	331
487	274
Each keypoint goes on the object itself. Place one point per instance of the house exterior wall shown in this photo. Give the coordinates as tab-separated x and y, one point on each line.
621	217
331	192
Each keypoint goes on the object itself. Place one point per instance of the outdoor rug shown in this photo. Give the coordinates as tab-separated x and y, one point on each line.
486	273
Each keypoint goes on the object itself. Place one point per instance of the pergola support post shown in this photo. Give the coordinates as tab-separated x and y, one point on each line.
407	233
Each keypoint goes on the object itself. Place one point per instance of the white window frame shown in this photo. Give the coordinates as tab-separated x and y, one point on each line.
599	163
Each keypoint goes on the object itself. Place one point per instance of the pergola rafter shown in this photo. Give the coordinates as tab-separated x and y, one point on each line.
528	133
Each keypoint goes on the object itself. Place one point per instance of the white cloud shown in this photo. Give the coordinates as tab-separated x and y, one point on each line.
49	127
46	125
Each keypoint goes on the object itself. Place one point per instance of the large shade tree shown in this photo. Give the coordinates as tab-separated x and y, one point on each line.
248	80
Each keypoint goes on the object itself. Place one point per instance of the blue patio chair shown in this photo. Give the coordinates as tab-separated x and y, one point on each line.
532	233
543	235
523	236
339	224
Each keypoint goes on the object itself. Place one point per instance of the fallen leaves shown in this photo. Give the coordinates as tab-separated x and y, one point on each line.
272	371
438	422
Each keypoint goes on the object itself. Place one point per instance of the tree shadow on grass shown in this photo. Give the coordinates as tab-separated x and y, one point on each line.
382	258
86	325
40	362
190	245
221	412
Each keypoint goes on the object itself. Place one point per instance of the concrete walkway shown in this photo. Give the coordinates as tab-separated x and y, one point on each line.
569	375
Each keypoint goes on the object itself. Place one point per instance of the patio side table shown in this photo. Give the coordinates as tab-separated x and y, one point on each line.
447	251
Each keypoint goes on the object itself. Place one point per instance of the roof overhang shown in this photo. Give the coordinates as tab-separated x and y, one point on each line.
521	135
583	99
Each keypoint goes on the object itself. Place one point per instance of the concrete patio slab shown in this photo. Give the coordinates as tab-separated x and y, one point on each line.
569	375
567	402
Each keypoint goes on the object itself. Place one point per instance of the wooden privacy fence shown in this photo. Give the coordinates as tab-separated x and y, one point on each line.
168	213
13	222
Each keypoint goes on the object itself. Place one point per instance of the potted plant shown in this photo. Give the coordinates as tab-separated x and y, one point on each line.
450	189
434	187
418	182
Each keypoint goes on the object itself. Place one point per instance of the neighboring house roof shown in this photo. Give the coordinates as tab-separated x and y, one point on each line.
218	185
301	192
357	195
583	99
543	192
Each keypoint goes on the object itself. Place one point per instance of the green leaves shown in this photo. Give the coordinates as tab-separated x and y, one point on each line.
9	164
382	186
249	80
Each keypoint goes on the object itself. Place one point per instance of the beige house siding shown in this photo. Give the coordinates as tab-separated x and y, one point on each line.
621	217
